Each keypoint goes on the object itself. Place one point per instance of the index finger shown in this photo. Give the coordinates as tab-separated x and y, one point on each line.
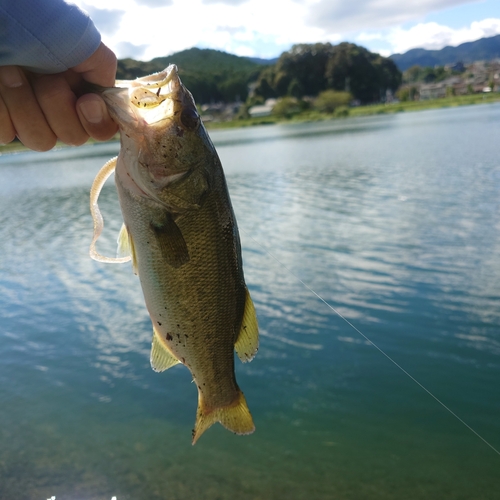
99	68
25	113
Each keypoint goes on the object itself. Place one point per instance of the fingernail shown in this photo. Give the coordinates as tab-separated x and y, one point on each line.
11	76
92	111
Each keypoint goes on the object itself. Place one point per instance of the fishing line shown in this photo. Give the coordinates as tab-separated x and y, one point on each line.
381	351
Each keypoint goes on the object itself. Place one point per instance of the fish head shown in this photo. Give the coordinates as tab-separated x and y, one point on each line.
166	152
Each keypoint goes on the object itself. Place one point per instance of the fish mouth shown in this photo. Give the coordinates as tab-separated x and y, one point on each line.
150	99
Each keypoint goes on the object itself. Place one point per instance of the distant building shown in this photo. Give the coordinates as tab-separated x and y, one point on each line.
261	110
432	91
457	67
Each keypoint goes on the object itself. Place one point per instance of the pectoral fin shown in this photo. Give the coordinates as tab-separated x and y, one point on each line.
161	357
247	344
172	245
126	247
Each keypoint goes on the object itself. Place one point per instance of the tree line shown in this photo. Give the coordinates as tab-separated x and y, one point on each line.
304	70
309	69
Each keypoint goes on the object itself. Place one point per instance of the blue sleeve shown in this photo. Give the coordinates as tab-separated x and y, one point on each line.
46	36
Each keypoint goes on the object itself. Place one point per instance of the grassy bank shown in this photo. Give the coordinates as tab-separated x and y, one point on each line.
372	109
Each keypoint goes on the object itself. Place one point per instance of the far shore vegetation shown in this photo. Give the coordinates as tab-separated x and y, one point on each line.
362	110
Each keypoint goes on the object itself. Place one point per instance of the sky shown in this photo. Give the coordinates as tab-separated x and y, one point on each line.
144	29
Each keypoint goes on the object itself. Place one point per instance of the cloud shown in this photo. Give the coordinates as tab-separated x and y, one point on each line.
244	51
345	17
368	37
127	49
107	21
154	3
434	36
232	30
145	29
227	2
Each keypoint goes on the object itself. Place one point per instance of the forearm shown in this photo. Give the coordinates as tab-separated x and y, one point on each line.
46	36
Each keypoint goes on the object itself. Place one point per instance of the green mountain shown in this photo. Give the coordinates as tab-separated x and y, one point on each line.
484	49
211	75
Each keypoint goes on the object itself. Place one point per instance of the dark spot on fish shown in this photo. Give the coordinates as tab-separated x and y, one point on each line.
186	335
179	336
159	323
158	93
178	326
180	132
168	337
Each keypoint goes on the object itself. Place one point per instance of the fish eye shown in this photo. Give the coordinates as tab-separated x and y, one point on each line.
190	119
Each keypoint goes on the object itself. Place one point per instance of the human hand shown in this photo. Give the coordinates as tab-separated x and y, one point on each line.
40	109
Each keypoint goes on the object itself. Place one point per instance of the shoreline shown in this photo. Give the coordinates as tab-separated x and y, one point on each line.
316	116
367	110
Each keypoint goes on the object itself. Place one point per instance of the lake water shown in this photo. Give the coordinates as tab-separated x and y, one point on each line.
393	220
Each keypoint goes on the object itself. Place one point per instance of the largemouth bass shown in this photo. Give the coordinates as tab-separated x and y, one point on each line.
180	233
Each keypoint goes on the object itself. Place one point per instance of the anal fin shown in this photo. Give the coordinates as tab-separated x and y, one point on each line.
161	357
247	344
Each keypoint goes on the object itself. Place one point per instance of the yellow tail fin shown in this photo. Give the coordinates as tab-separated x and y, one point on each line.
234	417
